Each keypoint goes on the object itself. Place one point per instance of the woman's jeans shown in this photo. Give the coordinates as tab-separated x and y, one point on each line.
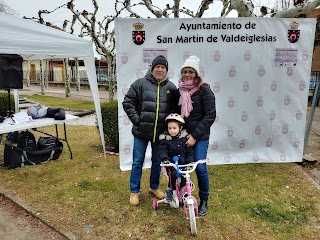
200	150
139	151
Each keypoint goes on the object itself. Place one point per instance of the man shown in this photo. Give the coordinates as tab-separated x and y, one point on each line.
147	104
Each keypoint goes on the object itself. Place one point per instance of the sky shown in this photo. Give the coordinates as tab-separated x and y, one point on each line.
24	8
30	8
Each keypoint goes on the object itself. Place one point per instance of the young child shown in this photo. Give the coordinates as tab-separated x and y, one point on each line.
173	143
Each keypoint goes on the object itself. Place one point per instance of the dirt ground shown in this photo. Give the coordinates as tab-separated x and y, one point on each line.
312	168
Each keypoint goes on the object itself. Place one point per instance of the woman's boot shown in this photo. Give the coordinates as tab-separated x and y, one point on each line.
203	207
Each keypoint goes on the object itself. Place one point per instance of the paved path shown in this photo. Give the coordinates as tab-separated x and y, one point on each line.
17	224
83	94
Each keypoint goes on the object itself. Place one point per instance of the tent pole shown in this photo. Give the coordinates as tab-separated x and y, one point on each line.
313	107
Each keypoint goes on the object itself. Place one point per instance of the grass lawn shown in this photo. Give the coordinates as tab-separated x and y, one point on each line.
60	102
89	196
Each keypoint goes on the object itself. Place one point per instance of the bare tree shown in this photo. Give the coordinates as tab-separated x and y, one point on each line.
5	8
102	31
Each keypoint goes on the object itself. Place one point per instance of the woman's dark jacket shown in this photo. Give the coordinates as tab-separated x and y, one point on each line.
147	104
202	116
176	146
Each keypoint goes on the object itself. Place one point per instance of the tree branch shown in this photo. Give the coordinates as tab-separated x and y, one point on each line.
295	11
204	6
243	7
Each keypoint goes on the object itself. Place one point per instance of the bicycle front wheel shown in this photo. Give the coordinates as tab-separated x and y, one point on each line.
192	218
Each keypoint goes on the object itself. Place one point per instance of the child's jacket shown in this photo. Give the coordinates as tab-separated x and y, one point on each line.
176	146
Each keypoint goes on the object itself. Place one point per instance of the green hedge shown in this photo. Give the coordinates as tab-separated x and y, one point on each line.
109	113
4	104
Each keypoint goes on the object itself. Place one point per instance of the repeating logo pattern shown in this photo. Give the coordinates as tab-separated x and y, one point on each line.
274	86
214	145
272	115
255	157
244	116
126	120
245	86
305	55
269	142
231	102
127	149
216	87
270	118
217	56
232	71
171	73
242	143
261	71
124	58
247	55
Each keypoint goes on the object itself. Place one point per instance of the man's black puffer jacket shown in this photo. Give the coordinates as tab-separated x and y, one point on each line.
147	104
202	116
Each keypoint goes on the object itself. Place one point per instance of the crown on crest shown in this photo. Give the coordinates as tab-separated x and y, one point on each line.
138	26
294	25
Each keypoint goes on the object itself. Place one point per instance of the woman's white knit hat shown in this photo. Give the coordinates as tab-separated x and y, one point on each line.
193	62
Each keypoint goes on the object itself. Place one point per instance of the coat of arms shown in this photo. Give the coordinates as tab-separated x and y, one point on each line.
293	33
138	36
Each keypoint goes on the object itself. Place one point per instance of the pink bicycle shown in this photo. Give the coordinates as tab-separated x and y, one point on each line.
184	194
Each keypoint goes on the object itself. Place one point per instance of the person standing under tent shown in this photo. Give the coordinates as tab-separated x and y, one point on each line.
147	103
196	103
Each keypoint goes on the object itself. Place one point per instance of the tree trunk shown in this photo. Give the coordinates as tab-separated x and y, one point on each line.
111	74
28	73
41	78
46	74
77	76
67	77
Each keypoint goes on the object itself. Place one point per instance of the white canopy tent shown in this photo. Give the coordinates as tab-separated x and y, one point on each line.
35	41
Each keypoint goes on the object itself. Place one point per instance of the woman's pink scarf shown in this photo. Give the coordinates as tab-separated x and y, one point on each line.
187	89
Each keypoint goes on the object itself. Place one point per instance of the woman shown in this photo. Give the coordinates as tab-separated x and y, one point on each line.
197	106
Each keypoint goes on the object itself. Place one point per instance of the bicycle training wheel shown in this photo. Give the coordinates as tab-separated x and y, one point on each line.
192	219
155	204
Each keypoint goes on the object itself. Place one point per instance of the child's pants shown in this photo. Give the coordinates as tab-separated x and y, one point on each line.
172	174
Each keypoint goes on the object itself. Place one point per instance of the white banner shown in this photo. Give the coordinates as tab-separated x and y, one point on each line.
258	68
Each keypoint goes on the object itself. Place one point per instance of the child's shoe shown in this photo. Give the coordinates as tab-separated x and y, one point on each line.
169	195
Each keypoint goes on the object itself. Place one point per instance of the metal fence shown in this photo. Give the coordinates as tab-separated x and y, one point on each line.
58	77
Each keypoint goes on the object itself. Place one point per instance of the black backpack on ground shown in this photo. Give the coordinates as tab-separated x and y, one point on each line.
15	157
27	141
13	137
45	143
49	148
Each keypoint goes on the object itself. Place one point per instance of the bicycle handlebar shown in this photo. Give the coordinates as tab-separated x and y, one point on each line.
193	165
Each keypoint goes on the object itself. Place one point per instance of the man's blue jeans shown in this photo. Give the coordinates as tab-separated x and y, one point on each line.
201	150
139	151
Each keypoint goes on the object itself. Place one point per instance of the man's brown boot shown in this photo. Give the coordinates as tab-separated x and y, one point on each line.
157	193
134	199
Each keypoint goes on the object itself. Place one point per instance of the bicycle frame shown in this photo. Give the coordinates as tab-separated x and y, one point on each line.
184	194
